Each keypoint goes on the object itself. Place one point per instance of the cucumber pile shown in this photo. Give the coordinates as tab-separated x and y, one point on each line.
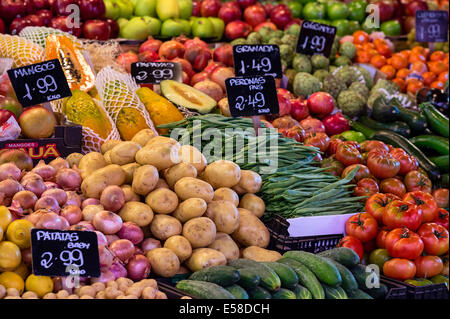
332	274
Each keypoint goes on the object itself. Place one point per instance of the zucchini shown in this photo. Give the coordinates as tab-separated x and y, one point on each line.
284	294
222	275
203	289
378	293
334	292
434	142
342	255
322	268
437	121
398	127
444	182
269	278
237	291
288	276
302	293
442	162
306	277
383	111
259	293
359	294
249	279
417	121
348	280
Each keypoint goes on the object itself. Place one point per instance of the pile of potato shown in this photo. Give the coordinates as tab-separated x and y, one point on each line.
204	215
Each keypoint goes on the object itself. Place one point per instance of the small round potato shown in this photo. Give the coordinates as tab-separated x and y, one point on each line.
190	208
129	170
165	226
225	193
226	245
161	140
176	172
180	246
205	257
94	184
109	145
107	157
161	156
260	254
254	204
145	179
251	231
224	214
250	181
130	196
200	231
163	261
191	155
143	136
222	173
162	201
91	162
74	159
161	184
124	153
136	212
189	187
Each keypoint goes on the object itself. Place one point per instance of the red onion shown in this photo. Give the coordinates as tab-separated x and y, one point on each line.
138	267
112	198
9	170
79	227
118	270
26	199
59	163
149	244
68	178
90	211
72	213
90	201
73	199
26	256
9	187
52	221
132	232
58	194
36	216
122	249
51	185
83	225
101	239
35	185
49	203
138	250
47	172
105	276
31	175
105	256
107	222
111	238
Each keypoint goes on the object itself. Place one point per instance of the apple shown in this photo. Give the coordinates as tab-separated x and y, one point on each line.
112	9
92	9
320	104
245	3
210	8
126	8
153	24
46	16
386	9
269	7
255	15
145	8
265	24
114	28
35	20
40	4
281	16
413	6
11	104
2	26
135	29
293	21
10	9
61	24
96	29
237	29
230	11
17	25
299	109
186	7
59	7
196	6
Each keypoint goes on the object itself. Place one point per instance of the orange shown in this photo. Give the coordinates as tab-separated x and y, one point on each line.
401	83
384	50
416	57
378	61
405	54
437	56
360	37
443	77
413	86
402	73
368	46
428	78
418	50
378	42
363	56
437	67
389	71
373	52
398	61
418	67
437	85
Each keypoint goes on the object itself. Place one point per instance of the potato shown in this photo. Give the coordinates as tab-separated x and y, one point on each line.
107	157
175	173
205	257
161	184
95	183
91	162
162	201
226	245
200	231
109	145
239	190
250	181
225	193
149	293
164	226
189	187
130	196
224	214
74	159
222	173
161	156
251	231
129	170
136	212
144	179
124	153
260	254
161	140
143	136
180	246
160	295
163	261
254	204
191	155
190	208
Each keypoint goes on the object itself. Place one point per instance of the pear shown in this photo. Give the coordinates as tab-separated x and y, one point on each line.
167	9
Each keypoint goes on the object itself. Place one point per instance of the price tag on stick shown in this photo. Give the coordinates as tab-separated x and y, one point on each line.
316	38
257	59
39	83
155	72
431	26
61	253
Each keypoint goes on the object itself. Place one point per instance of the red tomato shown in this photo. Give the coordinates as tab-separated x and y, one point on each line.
377	203
354	244
424	201
362	226
319	140
428	266
441	197
407	163
361	173
402	214
398	268
366	187
367	146
332	148
417	181
295	132
404	243
382	165
381	237
393	185
355	144
332	166
347	153
442	218
435	238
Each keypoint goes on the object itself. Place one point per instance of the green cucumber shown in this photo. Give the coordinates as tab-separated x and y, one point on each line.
249	279
302	292
334	292
442	162
417	121
378	293
444	182
437	121
436	143
237	291
342	255
359	294
383	110
259	293
283	293
398	127
288	276
269	278
306	277
222	275
359	273
203	289
322	268
348	280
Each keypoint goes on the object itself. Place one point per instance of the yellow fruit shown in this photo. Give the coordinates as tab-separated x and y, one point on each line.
22	271
5	217
10	279
1	233
20	50
40	285
19	232
10	256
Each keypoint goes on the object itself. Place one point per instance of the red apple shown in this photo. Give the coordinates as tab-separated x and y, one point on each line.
299	109
10	9
320	104
46	15
35	20
245	3
61	24
266	24
210	8
281	16
2	26
237	29
386	9
92	9
196	8
59	7
17	25
96	30
230	11
255	15
415	5
114	28
408	23
269	7
40	4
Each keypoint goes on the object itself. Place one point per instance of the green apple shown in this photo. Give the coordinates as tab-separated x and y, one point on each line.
186	26
167	9
112	9
172	28
186	7
126	8
154	25
203	28
135	29
145	8
134	2
219	27
122	22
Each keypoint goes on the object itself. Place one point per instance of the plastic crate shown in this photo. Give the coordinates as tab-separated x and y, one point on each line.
436	291
282	242
396	291
172	292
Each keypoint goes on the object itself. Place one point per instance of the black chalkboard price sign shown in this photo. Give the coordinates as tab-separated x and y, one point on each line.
431	26
155	72
257	59
252	96
316	38
63	253
39	83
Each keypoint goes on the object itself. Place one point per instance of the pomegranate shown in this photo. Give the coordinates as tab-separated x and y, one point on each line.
224	54
170	50
320	104
151	45
299	109
126	59
237	29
